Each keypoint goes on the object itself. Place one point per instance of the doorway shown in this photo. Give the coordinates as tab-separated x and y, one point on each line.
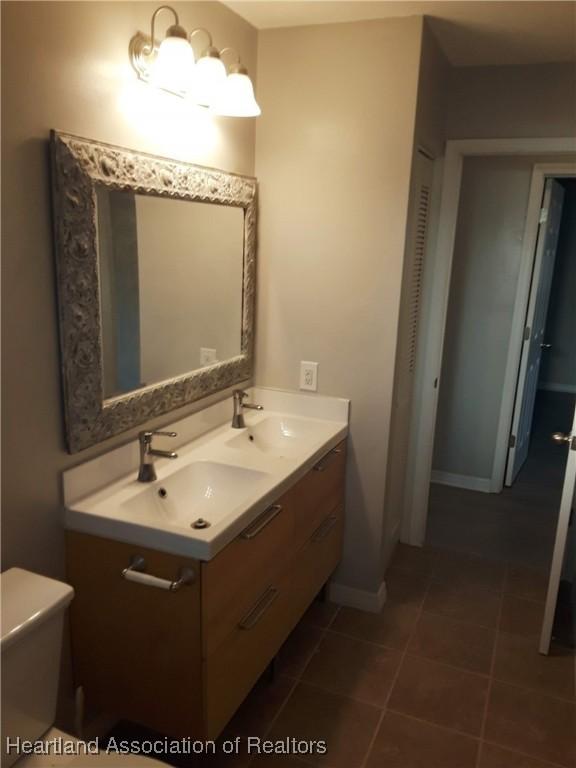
546	382
551	157
519	524
478	341
497	313
437	280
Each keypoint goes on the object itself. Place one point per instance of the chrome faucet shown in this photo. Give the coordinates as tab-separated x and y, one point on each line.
239	405
147	471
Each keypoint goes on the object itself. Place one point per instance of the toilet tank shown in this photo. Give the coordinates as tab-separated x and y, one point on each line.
32	611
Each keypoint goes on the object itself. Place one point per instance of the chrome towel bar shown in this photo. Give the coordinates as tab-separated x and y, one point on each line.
136	572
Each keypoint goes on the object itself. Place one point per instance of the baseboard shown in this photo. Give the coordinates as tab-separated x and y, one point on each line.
358	598
462	481
569	389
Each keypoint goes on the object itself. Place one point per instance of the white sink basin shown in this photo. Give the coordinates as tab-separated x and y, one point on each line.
203	490
278	436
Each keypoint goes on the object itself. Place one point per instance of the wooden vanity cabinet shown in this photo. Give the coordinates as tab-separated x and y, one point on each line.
136	650
182	662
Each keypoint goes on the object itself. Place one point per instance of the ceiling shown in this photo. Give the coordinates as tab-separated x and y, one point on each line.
471	32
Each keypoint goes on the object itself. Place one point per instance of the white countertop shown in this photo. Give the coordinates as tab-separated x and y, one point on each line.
226	476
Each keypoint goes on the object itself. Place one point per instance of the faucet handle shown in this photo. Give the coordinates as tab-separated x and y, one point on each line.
147	434
240	394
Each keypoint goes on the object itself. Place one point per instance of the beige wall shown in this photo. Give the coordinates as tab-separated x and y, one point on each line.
334	154
512	102
65	66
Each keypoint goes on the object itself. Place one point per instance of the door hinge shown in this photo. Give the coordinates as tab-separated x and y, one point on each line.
512	441
543	215
527	331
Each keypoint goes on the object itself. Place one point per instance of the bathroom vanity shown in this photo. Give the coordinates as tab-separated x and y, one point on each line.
182	660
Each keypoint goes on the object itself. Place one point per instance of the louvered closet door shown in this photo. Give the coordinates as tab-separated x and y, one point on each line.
410	306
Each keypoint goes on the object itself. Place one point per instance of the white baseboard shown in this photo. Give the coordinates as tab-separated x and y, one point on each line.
358	598
462	481
569	389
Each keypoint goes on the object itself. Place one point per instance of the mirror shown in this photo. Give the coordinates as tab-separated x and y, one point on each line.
170	273
156	275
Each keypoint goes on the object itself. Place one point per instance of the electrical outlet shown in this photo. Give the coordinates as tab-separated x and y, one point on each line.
308	375
207	356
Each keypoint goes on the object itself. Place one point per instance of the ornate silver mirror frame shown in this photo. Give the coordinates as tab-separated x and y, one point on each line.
77	165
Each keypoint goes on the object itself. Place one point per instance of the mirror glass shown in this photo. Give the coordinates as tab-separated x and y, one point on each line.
171	280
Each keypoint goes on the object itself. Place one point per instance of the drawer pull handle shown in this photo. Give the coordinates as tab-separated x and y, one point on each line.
321	466
261	522
259	609
324	529
136	572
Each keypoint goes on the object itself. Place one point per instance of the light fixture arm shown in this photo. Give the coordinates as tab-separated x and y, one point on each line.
228	49
153	21
204	31
237	67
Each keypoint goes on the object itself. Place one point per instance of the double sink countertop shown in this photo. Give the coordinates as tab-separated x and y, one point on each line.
223	477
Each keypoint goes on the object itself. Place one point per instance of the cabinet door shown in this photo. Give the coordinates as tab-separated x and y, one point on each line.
238	575
136	649
234	668
318	494
316	561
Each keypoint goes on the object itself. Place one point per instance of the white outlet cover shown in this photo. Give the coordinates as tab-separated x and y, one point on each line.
207	356
309	375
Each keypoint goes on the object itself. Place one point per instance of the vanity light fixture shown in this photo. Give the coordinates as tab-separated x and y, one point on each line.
171	65
236	97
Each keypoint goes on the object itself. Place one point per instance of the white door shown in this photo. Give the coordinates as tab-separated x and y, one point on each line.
566	504
534	341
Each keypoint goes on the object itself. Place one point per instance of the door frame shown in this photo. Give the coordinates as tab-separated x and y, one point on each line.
524	294
431	341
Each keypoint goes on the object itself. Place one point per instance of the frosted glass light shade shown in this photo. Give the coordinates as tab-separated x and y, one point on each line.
174	65
237	97
208	81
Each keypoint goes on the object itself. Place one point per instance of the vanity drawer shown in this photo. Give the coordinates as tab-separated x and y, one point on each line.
231	672
319	493
233	581
316	561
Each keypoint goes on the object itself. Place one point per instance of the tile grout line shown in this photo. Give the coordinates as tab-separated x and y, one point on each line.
538	691
492	668
439	726
545	763
397	674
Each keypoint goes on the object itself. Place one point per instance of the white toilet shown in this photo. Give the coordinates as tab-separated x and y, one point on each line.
33	609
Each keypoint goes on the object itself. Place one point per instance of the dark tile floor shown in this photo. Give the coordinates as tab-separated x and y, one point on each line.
517	525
